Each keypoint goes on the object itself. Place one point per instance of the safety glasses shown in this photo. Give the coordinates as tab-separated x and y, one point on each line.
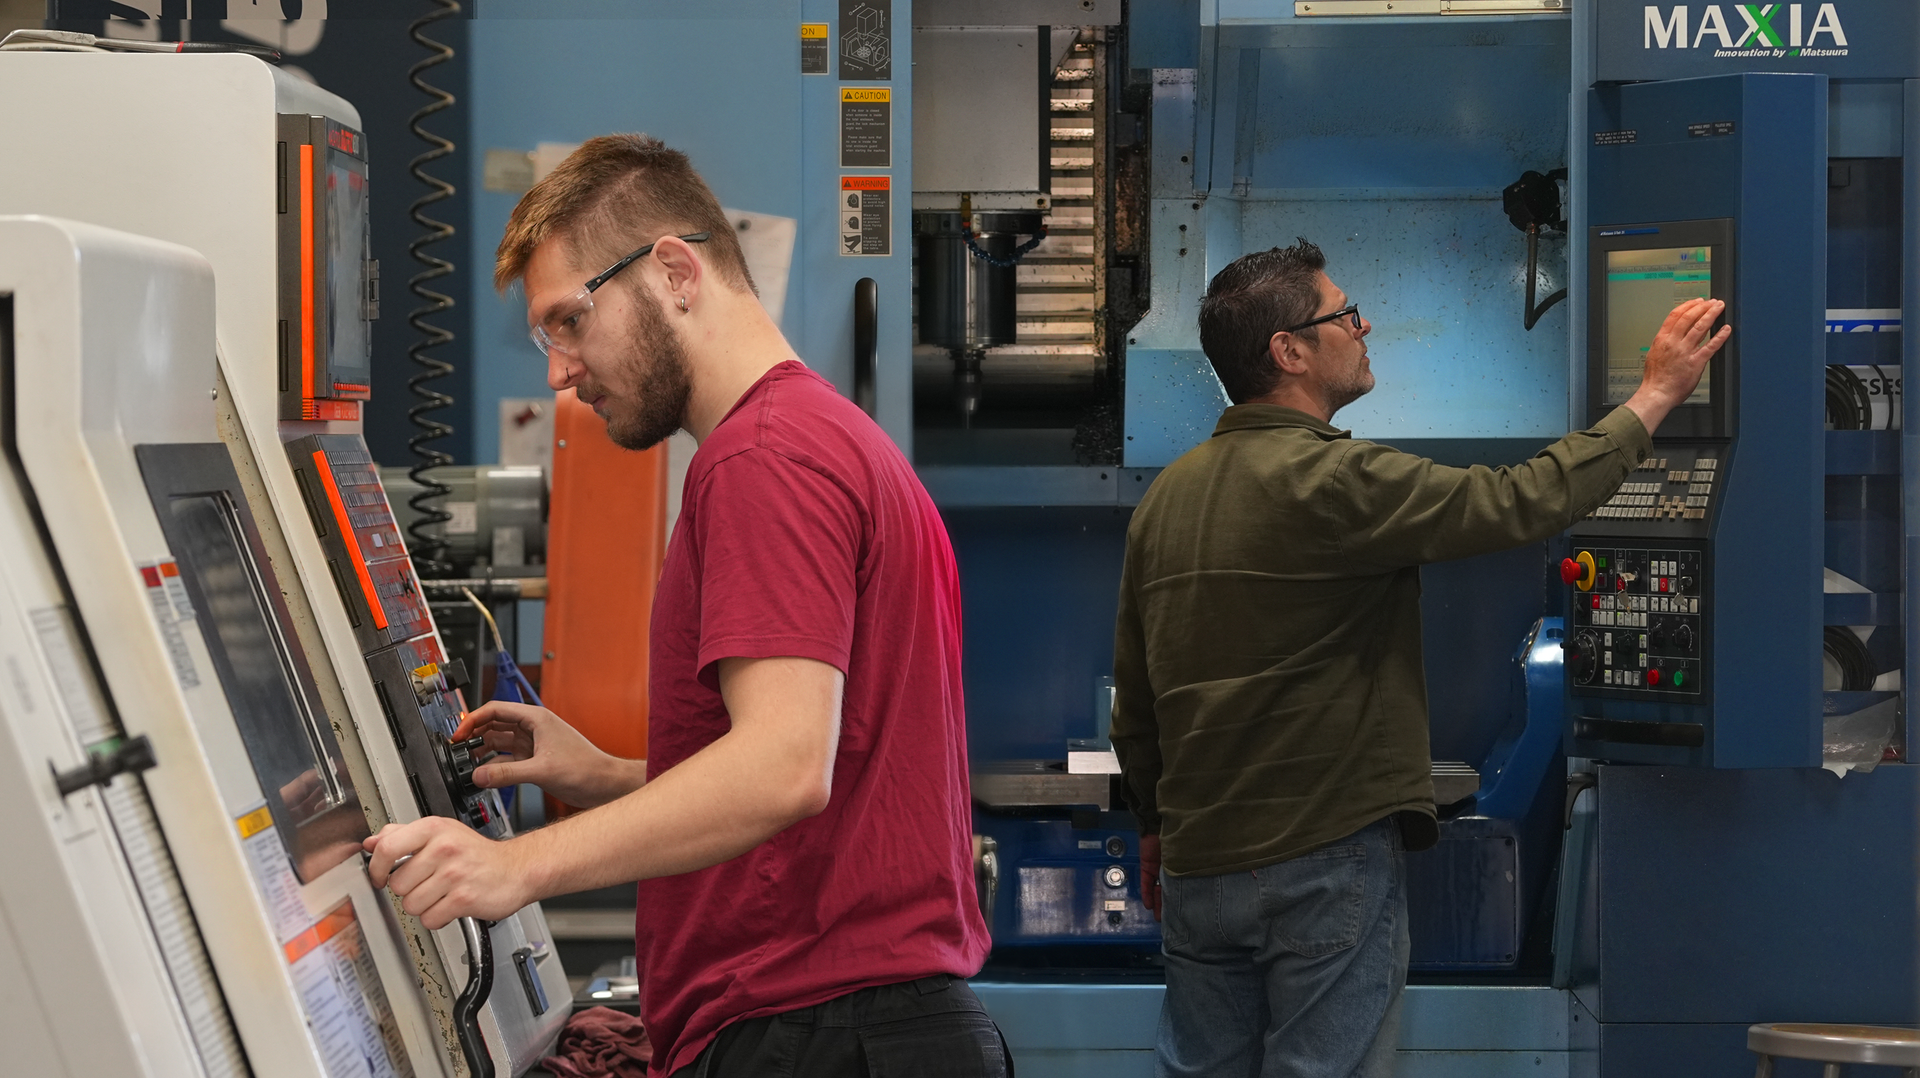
565	324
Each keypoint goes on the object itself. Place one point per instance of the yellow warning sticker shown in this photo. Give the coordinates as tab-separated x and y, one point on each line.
813	30
255	822
875	94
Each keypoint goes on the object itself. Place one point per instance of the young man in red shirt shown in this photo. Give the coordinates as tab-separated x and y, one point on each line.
800	828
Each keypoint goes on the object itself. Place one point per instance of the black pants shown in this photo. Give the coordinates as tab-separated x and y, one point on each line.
934	1027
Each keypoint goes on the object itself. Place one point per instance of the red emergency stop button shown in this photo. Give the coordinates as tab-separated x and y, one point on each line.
1653	677
1583	571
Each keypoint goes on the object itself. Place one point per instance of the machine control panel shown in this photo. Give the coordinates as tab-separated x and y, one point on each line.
419	688
341	485
1638	617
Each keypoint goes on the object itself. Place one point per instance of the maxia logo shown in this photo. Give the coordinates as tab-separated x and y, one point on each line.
1759	31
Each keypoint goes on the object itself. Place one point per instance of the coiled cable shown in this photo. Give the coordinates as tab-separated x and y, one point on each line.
1849	404
1847	665
428	542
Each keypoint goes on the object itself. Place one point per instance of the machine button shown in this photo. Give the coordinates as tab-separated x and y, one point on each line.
1619	583
1116	846
1679	678
1596	602
1653	676
1116	876
1570	570
1584	578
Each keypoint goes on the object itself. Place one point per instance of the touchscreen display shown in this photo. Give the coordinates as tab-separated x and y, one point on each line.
1642	289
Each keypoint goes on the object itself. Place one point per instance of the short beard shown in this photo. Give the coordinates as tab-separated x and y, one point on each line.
660	376
1349	390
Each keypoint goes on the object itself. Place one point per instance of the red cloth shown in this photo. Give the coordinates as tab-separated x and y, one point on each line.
600	1042
804	532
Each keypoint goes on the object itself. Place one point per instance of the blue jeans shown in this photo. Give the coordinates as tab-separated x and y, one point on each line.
1293	970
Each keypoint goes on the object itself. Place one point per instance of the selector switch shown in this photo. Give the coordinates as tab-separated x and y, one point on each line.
462	758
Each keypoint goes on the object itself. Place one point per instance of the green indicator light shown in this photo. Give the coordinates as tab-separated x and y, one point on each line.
1603	563
1679	678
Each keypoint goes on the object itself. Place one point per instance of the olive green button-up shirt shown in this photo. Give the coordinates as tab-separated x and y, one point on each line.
1270	692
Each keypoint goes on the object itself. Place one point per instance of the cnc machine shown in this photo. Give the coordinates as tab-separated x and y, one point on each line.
272	188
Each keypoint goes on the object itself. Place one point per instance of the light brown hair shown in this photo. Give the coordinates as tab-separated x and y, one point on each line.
612	195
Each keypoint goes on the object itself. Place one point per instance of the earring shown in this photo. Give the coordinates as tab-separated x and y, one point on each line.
683	305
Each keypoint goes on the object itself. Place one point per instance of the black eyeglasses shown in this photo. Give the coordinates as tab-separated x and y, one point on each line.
1351	312
566	321
697	237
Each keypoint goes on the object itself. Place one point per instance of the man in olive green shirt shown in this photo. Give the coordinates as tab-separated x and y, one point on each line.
1271	715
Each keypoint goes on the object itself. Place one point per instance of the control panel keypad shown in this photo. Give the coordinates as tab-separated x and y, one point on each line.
1637	625
1673	486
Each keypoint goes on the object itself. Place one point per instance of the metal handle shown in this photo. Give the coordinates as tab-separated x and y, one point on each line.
866	342
466	1008
986	873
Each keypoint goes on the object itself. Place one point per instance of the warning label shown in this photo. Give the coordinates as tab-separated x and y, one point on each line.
815	48
866	215
866	128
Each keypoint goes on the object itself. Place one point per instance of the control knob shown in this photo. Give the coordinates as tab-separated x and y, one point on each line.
462	758
1683	638
1583	658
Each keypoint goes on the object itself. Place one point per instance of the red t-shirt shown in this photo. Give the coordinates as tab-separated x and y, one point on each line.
803	531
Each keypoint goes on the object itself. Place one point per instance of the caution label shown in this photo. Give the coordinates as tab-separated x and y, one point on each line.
866	215
866	127
815	48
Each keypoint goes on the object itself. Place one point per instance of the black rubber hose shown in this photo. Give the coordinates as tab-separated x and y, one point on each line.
1531	314
429	547
466	1006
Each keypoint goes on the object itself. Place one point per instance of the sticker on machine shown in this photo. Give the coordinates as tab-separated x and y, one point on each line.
866	127
272	872
167	597
866	40
866	215
345	1004
815	41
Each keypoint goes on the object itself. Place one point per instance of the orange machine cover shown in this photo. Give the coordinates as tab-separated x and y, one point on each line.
606	538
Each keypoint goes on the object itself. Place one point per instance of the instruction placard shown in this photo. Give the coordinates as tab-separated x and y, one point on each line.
866	215
815	47
866	40
866	127
167	595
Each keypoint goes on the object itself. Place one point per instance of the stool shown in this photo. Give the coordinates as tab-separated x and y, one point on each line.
1885	1046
